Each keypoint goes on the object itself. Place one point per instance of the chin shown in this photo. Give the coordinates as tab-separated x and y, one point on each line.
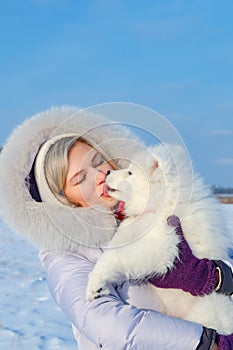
109	201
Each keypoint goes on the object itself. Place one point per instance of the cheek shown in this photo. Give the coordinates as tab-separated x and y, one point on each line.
86	190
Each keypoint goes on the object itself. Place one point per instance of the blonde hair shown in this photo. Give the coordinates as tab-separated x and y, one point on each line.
56	165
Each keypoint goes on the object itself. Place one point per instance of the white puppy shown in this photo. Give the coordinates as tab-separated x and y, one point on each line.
159	183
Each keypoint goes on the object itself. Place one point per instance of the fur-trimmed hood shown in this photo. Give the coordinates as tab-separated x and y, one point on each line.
58	227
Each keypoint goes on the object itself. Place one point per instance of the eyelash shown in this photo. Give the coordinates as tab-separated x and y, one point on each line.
98	161
95	165
83	178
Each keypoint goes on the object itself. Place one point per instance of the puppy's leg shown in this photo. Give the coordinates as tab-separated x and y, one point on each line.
213	311
130	258
107	270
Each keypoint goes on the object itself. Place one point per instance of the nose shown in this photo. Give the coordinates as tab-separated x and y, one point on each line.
100	176
108	172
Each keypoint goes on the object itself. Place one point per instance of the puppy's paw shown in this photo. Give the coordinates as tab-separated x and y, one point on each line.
92	294
95	288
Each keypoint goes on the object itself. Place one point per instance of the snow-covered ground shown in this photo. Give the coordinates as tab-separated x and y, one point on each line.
29	318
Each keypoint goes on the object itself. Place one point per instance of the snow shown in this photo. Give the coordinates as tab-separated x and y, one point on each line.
29	317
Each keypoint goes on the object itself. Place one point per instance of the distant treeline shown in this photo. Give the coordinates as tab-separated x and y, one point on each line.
222	190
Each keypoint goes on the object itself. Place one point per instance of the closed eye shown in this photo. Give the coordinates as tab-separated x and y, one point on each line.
97	160
81	176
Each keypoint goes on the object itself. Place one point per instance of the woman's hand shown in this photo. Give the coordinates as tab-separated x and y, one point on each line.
224	342
214	347
193	275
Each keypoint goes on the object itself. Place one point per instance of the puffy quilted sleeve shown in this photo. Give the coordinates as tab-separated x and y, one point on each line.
109	322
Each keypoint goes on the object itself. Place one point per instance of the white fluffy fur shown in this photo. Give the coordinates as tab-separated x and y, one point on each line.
157	184
57	226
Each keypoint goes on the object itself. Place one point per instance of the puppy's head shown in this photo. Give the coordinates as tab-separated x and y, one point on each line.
132	185
157	180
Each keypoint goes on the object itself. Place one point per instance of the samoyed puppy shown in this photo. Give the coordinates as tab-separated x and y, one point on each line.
158	183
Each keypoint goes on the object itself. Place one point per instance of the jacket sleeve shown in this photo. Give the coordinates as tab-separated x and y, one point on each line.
108	321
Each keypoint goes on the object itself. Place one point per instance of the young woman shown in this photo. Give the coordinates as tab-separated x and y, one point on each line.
53	191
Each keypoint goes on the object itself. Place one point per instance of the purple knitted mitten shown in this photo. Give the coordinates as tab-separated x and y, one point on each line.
224	342
193	275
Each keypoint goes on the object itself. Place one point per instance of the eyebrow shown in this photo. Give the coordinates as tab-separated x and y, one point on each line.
80	171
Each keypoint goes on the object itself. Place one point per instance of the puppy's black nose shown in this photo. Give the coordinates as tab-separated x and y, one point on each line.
108	172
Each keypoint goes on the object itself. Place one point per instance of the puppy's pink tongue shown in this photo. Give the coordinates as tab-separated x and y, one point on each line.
105	190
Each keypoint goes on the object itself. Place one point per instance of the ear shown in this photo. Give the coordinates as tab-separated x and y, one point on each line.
153	167
151	163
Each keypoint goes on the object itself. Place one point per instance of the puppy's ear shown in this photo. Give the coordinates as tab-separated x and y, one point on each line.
151	163
153	167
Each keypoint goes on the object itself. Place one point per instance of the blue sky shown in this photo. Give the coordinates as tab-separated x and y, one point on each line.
175	57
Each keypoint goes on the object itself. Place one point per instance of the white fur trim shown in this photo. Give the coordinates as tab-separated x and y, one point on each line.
59	228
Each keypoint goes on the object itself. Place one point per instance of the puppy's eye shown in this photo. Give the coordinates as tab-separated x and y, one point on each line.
129	173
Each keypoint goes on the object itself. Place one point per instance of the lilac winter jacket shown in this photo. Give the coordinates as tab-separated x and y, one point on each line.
125	319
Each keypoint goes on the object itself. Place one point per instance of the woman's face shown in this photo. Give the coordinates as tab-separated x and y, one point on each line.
86	176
